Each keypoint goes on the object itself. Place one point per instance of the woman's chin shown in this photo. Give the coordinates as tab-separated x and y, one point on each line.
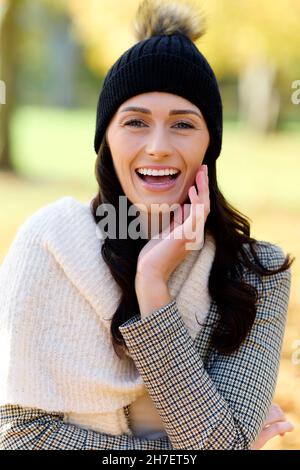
156	204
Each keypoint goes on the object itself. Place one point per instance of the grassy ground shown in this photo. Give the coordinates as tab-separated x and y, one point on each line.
53	149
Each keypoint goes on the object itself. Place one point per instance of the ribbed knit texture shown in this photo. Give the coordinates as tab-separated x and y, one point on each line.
56	298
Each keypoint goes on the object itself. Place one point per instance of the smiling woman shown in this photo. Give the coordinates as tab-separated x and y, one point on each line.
134	343
157	137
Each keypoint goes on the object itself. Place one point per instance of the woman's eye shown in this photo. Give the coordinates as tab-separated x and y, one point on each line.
185	124
132	121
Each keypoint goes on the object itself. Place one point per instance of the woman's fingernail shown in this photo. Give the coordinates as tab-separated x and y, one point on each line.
288	427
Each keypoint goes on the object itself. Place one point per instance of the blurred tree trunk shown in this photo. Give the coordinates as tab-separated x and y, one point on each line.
259	99
8	73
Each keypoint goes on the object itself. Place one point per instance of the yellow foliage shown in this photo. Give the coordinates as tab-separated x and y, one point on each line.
237	31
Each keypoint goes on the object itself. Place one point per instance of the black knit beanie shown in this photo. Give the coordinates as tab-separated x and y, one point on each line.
165	59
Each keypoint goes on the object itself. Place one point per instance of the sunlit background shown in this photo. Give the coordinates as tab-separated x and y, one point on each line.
54	56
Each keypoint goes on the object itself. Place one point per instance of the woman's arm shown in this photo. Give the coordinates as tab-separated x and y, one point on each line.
225	405
275	425
35	429
32	429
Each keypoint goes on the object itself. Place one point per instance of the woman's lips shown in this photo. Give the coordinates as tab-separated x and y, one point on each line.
158	185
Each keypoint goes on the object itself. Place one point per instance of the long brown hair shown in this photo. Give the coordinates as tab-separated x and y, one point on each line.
235	299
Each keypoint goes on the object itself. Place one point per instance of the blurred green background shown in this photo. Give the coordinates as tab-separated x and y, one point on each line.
54	55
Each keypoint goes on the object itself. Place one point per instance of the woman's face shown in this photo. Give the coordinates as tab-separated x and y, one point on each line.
168	131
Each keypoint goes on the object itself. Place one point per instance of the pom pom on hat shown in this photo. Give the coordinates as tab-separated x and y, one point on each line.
155	17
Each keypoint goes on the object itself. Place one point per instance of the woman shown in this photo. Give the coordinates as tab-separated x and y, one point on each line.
169	340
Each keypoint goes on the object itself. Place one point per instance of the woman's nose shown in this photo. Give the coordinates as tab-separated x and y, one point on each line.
158	144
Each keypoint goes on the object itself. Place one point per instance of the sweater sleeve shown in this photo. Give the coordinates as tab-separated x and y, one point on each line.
224	405
24	428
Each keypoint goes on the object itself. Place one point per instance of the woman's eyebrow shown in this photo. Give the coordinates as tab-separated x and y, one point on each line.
171	112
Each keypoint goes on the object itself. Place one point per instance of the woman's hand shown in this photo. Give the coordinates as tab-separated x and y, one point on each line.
274	425
163	253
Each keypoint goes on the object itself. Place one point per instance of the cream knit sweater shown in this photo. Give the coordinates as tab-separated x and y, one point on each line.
56	298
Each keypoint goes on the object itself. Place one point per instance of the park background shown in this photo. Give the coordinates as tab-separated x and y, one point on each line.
54	55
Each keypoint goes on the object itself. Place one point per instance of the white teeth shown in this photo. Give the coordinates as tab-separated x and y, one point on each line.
148	171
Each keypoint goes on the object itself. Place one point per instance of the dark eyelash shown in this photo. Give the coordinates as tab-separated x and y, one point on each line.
181	122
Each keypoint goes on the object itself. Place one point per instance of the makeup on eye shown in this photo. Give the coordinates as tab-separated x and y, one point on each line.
189	125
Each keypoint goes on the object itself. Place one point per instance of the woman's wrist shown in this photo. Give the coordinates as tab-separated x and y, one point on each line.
152	293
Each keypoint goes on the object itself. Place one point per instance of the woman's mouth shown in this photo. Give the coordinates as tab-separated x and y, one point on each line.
158	182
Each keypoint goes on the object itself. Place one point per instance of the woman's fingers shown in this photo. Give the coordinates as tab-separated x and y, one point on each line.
200	182
188	221
193	227
275	414
203	188
274	425
280	427
207	200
